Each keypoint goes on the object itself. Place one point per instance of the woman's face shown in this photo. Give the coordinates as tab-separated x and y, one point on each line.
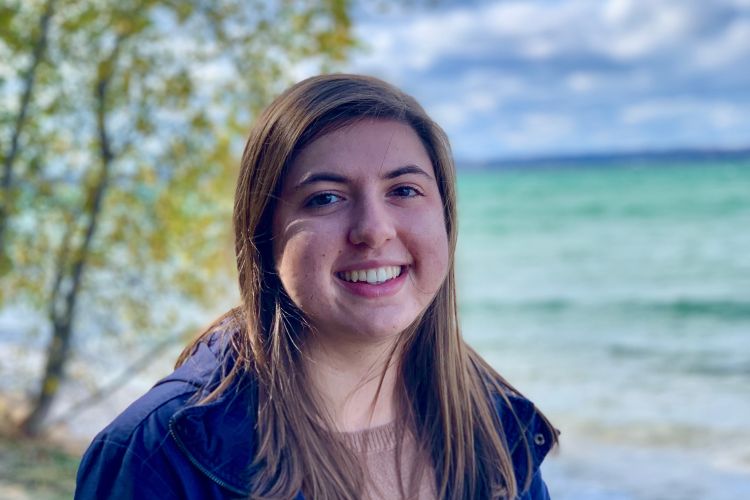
360	242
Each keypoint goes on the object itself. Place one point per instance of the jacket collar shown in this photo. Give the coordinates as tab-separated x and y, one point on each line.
525	429
219	437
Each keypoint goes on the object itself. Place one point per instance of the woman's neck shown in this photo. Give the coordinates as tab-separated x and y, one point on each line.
348	376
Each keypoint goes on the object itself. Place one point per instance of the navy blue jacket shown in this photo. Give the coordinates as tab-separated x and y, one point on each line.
164	446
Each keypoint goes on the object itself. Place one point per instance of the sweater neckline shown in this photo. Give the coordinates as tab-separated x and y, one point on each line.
373	440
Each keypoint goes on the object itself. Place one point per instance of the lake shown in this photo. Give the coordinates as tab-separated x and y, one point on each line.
618	299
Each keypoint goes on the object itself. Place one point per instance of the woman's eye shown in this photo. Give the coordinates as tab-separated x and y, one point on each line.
322	199
406	192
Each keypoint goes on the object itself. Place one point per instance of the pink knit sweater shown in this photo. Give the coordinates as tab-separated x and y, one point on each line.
377	448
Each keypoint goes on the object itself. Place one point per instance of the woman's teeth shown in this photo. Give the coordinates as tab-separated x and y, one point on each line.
372	276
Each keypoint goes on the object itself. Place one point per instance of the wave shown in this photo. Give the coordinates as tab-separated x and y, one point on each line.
688	307
706	363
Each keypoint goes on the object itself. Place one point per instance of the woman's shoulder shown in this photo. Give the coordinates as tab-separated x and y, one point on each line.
139	443
529	437
523	421
528	434
169	394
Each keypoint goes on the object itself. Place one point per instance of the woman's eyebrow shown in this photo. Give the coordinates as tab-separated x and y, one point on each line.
406	170
314	177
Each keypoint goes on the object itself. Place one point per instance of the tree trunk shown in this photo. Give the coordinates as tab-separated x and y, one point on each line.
144	361
9	159
54	371
63	308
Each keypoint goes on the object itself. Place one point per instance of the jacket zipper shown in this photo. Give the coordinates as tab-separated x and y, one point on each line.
200	466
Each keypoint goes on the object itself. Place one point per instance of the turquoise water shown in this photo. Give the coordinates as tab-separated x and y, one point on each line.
618	299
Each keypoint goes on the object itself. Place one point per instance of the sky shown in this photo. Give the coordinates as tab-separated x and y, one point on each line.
536	78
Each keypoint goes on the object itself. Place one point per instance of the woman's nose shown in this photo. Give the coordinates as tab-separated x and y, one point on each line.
372	225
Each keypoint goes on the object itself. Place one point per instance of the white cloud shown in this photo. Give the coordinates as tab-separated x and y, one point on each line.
663	28
531	30
520	19
548	125
719	114
618	11
476	94
571	71
539	48
725	116
732	47
642	112
468	104
581	81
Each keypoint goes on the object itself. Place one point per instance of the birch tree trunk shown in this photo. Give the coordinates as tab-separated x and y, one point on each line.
67	284
9	159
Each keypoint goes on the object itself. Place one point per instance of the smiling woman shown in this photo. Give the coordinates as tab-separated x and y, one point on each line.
343	374
369	210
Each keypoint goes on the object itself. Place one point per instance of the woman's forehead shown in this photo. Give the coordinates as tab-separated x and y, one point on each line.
370	147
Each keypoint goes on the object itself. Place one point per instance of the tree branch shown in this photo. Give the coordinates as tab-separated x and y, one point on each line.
28	86
140	364
97	195
62	314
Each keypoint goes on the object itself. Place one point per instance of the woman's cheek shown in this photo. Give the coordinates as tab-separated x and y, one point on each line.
431	256
306	265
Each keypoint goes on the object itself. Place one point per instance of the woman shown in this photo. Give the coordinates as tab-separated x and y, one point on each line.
343	373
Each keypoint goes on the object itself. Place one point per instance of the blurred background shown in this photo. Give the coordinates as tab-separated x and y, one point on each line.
603	150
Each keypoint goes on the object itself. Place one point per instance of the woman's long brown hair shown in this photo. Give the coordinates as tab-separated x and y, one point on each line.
445	391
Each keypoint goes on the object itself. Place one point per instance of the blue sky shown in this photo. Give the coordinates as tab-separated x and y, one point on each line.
544	77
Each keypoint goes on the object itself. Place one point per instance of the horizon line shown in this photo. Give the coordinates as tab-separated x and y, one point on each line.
686	153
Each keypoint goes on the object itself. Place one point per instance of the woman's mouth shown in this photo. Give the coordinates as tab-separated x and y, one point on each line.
371	276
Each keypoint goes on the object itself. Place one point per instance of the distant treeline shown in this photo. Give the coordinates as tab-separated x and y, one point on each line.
611	159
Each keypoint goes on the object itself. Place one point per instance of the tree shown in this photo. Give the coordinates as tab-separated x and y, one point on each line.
27	80
126	153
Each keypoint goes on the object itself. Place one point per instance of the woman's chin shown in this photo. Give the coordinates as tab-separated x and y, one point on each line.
364	332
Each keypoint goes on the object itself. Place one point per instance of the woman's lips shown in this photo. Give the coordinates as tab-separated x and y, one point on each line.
373	282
